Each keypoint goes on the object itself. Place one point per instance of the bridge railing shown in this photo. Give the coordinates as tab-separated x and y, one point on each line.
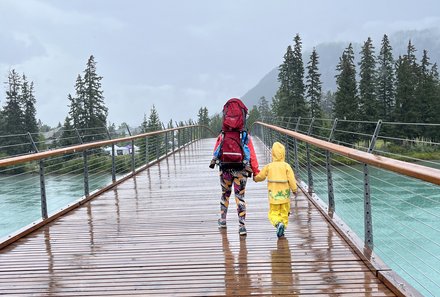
392	204
38	186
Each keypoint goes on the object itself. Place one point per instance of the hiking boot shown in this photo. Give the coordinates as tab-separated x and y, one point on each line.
242	230
280	230
221	224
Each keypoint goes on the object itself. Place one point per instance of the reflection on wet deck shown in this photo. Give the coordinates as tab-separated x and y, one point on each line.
156	234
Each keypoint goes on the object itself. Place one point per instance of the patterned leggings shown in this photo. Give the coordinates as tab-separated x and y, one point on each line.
227	178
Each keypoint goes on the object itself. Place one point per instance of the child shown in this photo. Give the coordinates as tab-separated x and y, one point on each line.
280	180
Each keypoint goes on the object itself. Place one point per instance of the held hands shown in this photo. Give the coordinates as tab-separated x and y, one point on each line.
255	174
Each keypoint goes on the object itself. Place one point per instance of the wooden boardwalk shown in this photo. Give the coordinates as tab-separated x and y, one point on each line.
156	234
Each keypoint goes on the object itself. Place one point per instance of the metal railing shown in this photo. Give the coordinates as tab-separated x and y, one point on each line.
38	186
392	204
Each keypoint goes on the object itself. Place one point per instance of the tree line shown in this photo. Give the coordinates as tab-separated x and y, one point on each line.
18	116
86	118
393	90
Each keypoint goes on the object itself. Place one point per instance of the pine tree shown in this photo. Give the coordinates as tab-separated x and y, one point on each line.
264	109
346	99
289	100
282	103
435	104
87	108
77	113
68	134
407	110
94	107
327	103
215	123
13	115
426	93
154	124
28	102
368	105
254	115
385	81
298	90
313	85
203	119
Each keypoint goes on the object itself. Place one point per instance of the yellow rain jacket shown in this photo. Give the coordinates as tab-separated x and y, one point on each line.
280	176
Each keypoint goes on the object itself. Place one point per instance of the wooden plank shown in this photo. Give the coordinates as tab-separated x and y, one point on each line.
156	235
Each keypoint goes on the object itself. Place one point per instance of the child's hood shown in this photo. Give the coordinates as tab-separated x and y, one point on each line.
278	152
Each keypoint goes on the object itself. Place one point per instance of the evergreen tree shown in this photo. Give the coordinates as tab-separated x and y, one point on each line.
407	110
28	102
427	95
87	108
2	123
299	103
368	105
203	119
13	115
77	113
282	102
94	107
385	81
346	99
254	115
313	86
264	109
435	105
68	135
289	100
327	103
154	124
215	123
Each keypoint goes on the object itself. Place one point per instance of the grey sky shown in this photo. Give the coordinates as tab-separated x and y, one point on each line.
178	55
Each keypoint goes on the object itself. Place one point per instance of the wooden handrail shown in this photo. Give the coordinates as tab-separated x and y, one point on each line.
424	173
83	147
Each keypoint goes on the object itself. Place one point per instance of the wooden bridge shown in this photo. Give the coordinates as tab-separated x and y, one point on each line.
157	234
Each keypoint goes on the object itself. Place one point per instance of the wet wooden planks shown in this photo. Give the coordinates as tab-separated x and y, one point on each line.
156	234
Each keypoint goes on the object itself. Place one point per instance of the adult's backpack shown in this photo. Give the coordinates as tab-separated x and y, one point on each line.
232	153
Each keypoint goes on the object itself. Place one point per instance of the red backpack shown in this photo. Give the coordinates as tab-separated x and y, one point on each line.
234	122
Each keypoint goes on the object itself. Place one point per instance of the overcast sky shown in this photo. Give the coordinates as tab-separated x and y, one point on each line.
178	55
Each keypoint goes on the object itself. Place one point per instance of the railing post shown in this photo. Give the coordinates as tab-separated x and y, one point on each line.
113	157
286	143
309	164
86	174
158	137
42	182
172	139
86	166
147	153
295	149
132	151
368	218
331	196
166	141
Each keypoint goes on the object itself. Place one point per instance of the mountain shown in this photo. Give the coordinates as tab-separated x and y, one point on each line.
329	54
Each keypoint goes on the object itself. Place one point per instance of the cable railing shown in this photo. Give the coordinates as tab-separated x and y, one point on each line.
375	188
37	186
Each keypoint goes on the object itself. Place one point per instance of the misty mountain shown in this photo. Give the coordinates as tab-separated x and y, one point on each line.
329	54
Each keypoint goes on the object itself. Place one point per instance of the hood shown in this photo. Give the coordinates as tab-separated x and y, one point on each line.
278	152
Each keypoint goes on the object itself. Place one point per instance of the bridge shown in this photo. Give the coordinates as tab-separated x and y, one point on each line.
153	231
